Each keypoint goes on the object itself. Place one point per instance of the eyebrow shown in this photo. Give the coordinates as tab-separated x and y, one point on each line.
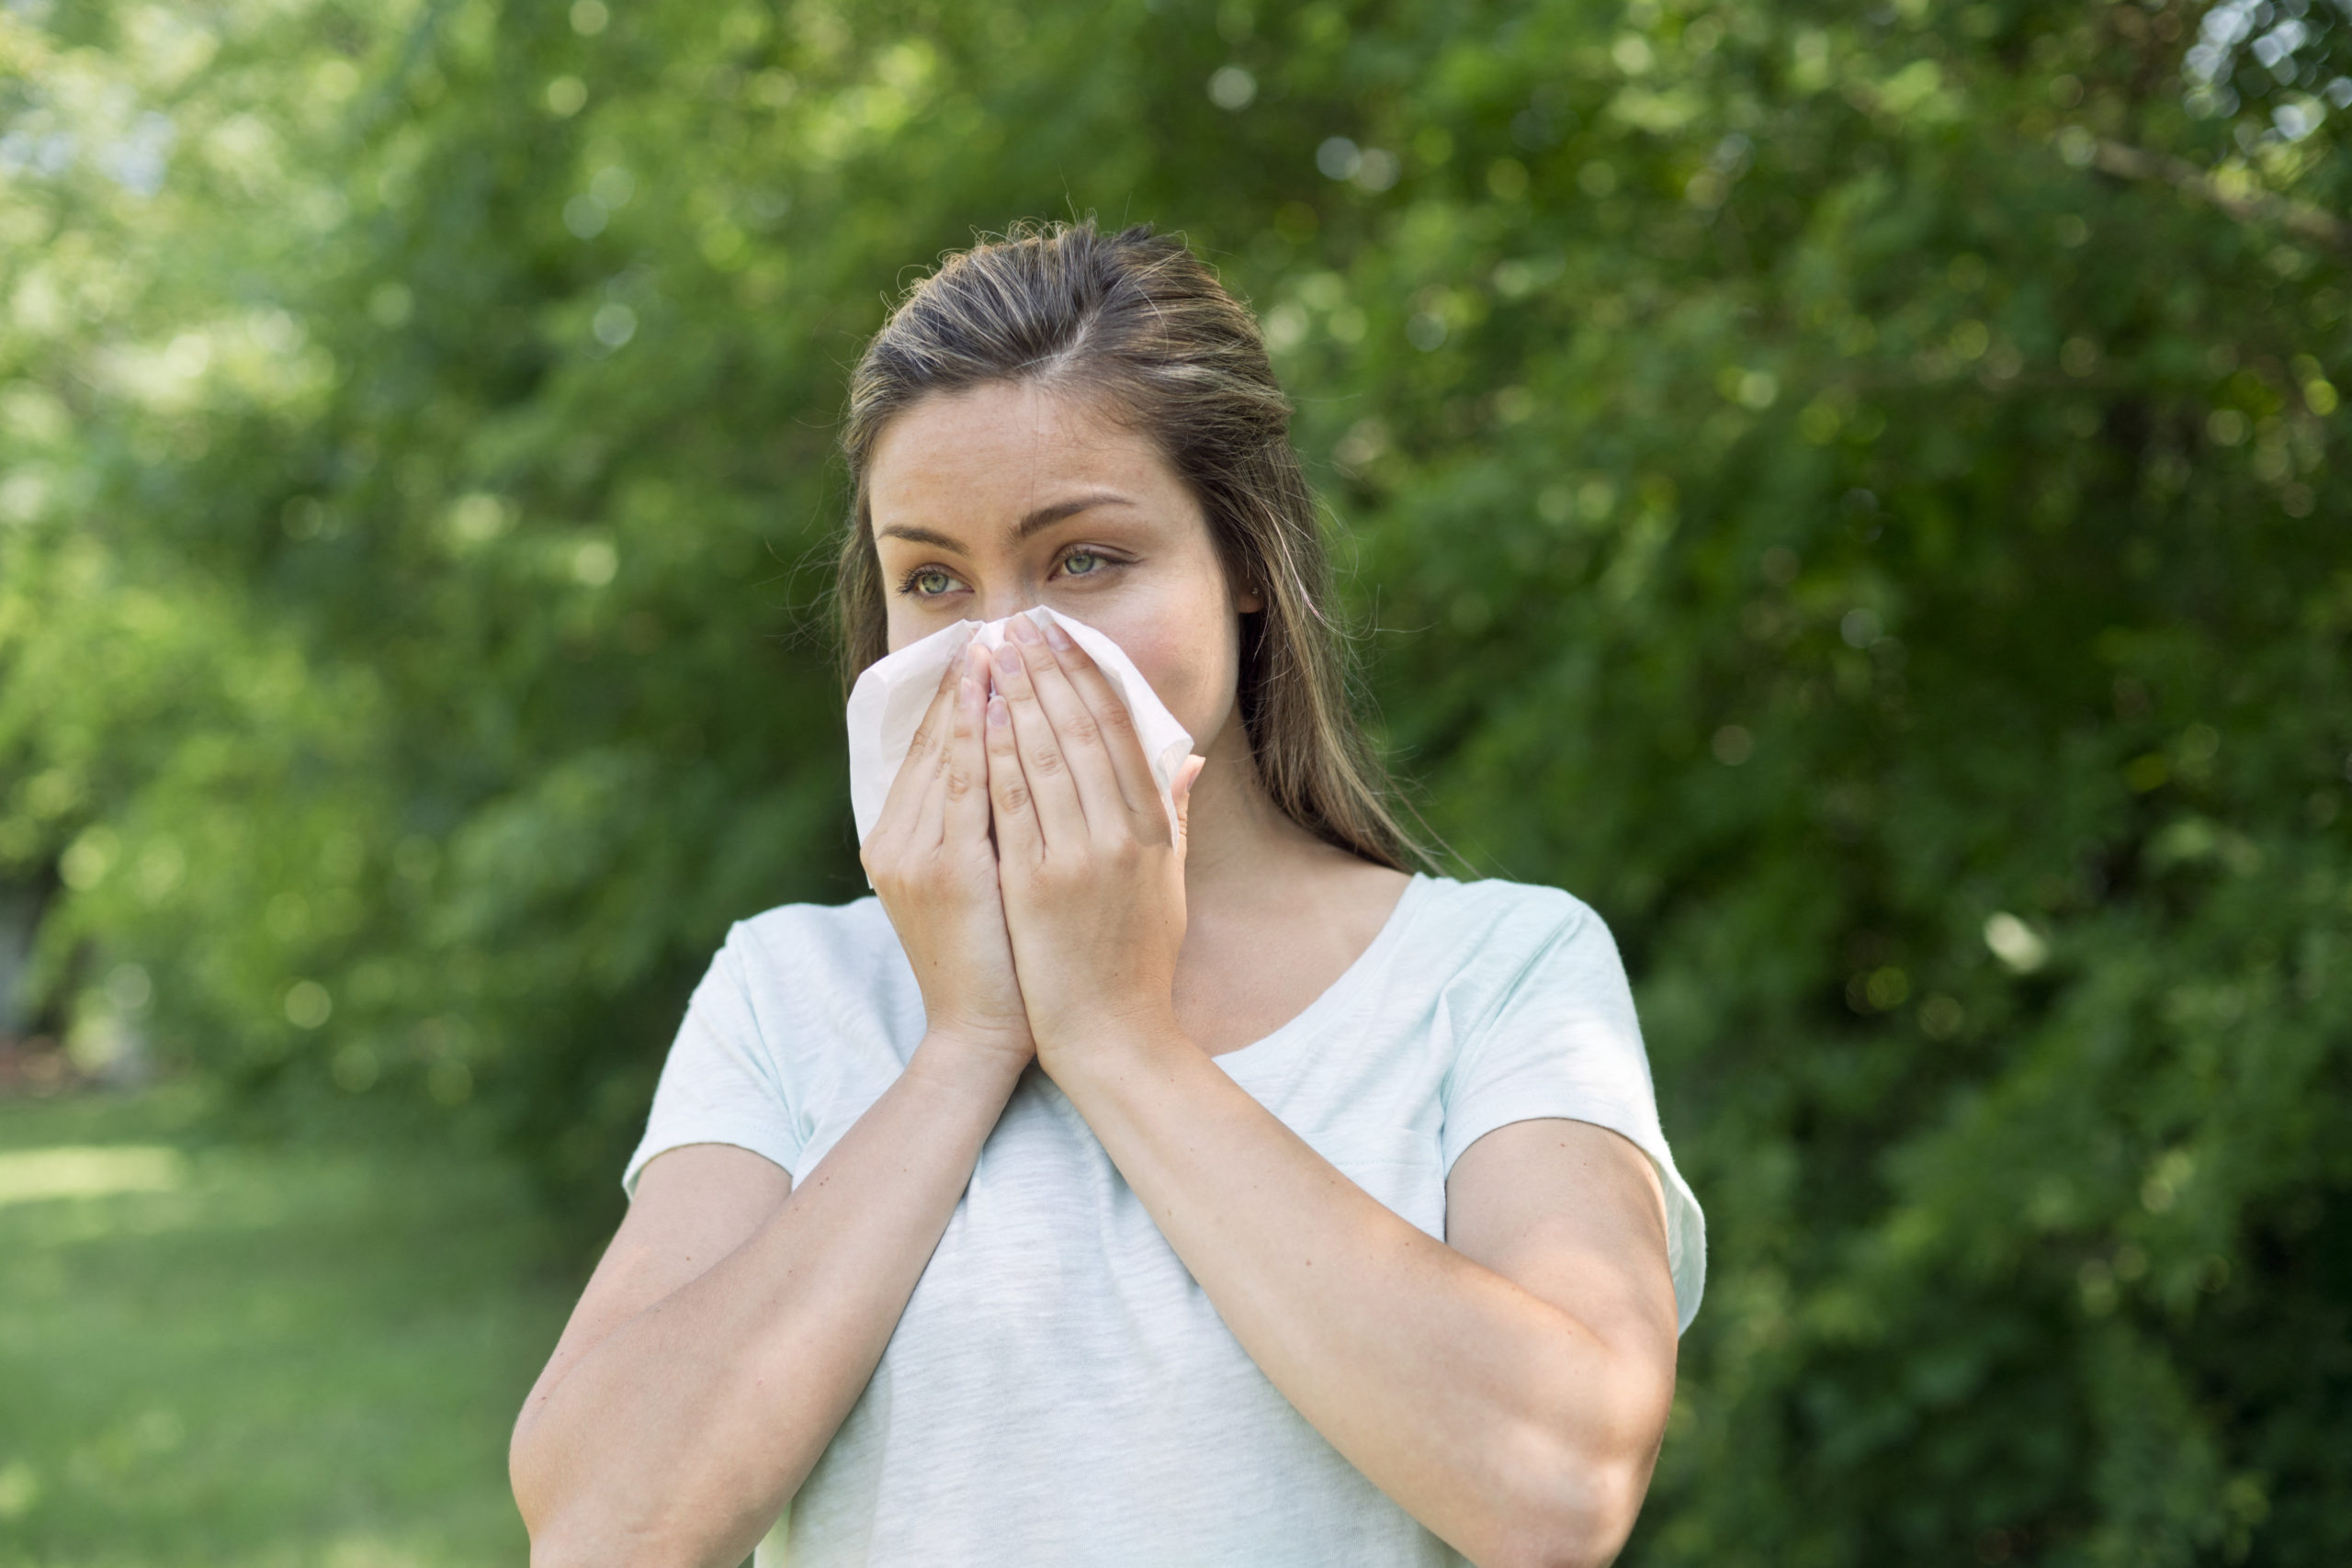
1044	517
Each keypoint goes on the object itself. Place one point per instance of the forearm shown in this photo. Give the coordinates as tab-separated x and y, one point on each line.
1507	1425
681	1436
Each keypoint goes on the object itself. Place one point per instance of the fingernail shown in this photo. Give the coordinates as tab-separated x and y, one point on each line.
1021	629
999	715
1058	638
1007	660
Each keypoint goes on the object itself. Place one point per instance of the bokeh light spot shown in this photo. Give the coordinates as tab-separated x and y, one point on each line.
307	1005
1232	88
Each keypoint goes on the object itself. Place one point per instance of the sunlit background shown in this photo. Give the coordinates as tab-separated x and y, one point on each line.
1856	494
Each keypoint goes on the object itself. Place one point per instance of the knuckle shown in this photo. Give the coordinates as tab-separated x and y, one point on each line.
1117	719
1082	729
1048	762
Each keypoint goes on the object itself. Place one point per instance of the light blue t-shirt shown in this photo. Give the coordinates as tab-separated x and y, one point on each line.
1058	1389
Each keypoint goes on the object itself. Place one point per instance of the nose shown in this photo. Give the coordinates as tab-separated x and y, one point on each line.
995	601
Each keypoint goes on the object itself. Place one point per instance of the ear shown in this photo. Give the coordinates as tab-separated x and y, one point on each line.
1248	601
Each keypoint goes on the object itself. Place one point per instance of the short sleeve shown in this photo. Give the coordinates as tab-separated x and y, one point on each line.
1561	1040
719	1084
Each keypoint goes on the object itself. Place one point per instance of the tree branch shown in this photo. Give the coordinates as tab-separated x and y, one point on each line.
2139	163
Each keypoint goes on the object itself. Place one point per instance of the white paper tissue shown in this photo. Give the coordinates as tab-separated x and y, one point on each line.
886	705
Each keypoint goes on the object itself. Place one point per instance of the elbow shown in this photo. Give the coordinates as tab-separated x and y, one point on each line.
1590	1527
1580	1485
1571	1501
567	1530
550	1551
557	1534
537	1499
563	1534
1581	1525
583	1508
577	1521
559	1543
555	1552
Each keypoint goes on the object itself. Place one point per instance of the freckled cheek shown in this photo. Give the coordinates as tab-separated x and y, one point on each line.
1192	677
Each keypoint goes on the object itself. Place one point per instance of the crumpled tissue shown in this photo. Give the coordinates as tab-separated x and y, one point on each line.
886	705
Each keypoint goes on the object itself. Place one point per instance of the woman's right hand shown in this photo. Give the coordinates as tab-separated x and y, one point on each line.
934	868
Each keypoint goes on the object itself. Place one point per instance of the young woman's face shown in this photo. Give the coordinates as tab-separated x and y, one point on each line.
992	499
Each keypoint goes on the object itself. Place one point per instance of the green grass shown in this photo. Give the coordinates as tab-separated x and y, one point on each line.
215	1351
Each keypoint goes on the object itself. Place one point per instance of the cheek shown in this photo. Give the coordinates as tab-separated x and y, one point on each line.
1190	664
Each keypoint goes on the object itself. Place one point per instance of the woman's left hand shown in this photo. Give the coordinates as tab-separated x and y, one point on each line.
1092	869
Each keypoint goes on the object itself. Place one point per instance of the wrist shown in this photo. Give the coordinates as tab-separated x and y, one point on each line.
1111	1049
967	1063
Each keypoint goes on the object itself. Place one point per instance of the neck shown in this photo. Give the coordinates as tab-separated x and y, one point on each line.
1239	843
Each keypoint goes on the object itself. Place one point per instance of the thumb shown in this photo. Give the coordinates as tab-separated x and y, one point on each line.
1185	775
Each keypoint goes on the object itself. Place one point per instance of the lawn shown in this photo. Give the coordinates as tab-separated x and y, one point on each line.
216	1350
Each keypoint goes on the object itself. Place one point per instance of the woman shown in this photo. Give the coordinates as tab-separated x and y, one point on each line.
1111	1190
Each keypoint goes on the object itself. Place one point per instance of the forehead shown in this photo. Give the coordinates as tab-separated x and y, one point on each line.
1004	445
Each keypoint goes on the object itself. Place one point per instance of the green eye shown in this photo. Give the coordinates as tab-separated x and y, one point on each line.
930	583
1093	563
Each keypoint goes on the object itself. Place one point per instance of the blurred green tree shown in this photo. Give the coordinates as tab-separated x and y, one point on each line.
1856	494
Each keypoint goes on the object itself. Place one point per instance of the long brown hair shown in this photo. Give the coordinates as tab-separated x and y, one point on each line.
1137	318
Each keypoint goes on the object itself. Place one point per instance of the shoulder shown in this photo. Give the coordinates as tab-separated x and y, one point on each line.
836	931
815	950
1496	921
1509	946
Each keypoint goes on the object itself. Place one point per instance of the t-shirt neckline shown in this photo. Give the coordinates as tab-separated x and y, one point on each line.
1340	993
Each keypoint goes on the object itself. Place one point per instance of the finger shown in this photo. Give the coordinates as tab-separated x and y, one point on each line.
1018	841
903	802
1061	818
1082	741
1186	777
927	761
967	779
927	819
1117	724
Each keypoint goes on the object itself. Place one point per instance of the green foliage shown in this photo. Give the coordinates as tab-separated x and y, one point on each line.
1856	496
